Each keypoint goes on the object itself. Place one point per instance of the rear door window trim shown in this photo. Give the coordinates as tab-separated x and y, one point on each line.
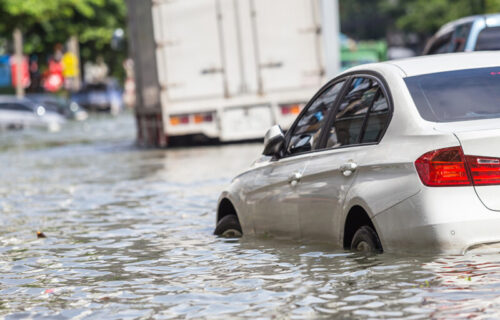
347	78
382	88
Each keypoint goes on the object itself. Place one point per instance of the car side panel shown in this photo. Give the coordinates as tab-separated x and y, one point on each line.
322	190
387	175
237	193
274	201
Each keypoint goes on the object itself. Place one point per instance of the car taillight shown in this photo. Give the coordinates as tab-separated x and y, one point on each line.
484	170
450	167
443	168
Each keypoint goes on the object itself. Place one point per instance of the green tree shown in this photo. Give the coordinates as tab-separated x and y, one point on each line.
45	23
425	17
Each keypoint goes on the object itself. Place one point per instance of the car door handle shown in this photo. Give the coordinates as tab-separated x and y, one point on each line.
294	178
348	168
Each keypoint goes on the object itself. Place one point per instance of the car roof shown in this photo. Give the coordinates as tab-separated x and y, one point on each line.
447	62
11	98
436	63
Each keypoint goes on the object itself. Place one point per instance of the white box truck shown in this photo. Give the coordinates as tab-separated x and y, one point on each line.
230	69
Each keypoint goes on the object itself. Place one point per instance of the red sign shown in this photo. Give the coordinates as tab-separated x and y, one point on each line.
53	80
25	75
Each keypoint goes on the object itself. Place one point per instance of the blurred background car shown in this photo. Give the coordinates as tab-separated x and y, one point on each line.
474	33
23	113
103	96
65	107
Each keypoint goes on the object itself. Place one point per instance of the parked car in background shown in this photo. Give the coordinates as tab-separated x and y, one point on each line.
24	113
396	156
68	109
475	33
100	97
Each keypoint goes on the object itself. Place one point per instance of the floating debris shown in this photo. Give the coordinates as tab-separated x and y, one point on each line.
49	291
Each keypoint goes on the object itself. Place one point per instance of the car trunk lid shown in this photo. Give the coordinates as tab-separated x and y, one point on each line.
482	150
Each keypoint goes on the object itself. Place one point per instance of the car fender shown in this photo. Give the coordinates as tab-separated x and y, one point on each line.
236	193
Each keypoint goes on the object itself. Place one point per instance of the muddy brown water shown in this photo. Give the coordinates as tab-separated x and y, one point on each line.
129	236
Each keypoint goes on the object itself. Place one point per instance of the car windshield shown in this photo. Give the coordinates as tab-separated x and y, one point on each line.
461	95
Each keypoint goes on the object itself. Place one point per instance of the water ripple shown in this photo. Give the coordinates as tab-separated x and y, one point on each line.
129	237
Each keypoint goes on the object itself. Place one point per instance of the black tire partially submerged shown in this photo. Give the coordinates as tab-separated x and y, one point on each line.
366	240
228	227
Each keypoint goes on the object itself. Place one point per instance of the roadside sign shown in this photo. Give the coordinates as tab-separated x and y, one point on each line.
4	71
70	65
25	75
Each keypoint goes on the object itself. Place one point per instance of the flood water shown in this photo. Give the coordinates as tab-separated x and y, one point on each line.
129	236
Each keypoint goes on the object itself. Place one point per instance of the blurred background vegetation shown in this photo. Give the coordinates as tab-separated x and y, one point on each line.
47	23
405	22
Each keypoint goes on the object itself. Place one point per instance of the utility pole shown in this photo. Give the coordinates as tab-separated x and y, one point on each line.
74	48
18	54
331	36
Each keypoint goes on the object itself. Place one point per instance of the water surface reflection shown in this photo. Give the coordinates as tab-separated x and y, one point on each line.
129	237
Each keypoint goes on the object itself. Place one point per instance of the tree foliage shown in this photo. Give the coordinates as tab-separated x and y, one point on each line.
369	19
426	16
45	23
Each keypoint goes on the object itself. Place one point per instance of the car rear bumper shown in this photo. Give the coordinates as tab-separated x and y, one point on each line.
439	220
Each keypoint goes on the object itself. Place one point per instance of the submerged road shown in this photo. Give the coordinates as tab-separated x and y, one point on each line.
128	235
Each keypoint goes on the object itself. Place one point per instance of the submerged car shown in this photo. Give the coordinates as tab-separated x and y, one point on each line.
105	96
23	113
398	156
68	109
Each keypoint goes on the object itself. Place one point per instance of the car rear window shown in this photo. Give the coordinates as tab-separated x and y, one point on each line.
488	39
462	95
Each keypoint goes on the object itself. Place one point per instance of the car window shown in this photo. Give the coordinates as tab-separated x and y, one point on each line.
14	107
441	44
350	116
377	119
307	132
469	94
460	37
488	39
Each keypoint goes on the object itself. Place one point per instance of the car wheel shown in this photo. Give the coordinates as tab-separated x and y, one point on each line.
228	227
366	240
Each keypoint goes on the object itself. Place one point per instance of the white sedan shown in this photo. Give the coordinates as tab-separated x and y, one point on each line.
23	113
395	156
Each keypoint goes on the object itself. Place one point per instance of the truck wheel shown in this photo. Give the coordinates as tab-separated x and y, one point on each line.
228	227
366	240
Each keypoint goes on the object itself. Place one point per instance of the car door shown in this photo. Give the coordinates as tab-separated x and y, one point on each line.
333	168
275	200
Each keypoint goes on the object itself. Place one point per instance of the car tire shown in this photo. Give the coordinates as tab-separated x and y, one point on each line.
366	240
228	227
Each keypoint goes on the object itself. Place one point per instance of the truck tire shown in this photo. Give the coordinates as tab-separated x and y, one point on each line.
228	227
366	240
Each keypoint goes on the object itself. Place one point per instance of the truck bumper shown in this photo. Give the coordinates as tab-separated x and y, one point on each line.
229	124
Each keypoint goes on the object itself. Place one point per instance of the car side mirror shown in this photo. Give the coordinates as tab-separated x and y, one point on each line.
273	141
